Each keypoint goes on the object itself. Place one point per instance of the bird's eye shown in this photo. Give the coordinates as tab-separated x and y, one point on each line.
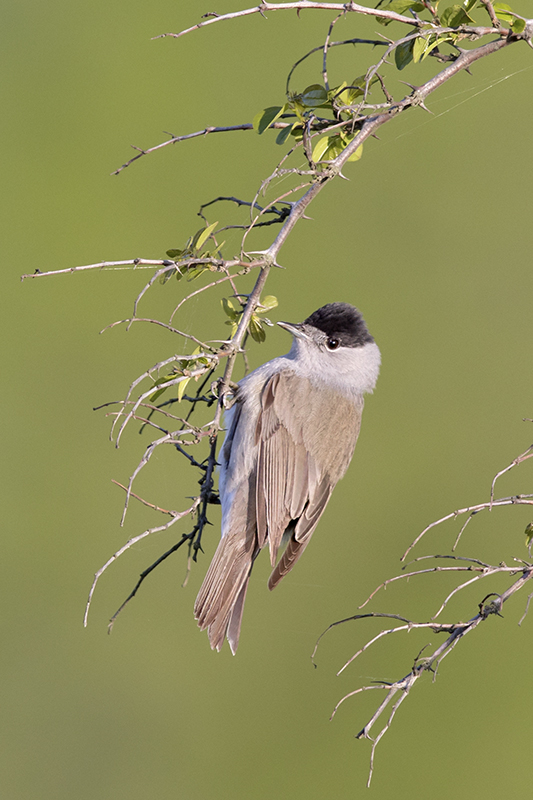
332	343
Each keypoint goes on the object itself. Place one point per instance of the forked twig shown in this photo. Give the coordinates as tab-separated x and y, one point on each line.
402	687
176	516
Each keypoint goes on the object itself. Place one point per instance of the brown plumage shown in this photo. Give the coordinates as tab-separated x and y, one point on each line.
289	440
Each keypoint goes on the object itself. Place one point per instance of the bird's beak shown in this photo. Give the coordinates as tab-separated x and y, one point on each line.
296	328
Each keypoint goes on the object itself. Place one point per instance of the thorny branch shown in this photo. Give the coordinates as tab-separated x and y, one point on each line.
360	122
491	604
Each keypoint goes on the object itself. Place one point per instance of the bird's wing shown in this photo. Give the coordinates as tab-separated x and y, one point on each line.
305	442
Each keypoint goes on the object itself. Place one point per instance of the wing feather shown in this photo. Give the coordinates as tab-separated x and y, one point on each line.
299	462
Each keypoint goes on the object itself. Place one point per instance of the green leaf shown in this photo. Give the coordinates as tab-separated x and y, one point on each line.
174	254
204	235
153	397
299	109
468	5
166	276
314	96
419	46
320	148
518	25
195	271
453	16
256	330
333	146
284	134
500	10
403	54
400	7
230	309
529	533
182	385
265	118
267	304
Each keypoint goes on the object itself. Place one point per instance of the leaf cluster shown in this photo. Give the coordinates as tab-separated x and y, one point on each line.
195	248
302	106
255	326
183	367
454	16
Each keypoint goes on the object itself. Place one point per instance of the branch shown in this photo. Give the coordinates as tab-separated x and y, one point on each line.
300	6
176	515
399	689
515	500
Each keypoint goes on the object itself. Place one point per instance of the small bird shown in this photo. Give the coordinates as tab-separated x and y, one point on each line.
291	434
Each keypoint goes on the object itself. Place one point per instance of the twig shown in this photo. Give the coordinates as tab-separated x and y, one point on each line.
299	6
518	460
520	499
456	632
176	516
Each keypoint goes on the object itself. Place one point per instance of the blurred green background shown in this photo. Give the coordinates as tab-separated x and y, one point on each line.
431	238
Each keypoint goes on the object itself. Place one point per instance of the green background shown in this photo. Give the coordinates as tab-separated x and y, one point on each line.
431	238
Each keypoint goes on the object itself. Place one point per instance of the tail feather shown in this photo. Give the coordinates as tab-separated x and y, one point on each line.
220	601
234	627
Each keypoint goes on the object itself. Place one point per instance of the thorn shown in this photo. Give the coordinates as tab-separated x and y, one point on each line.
410	85
342	176
424	107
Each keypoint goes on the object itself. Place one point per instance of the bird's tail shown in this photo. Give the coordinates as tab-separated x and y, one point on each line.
220	601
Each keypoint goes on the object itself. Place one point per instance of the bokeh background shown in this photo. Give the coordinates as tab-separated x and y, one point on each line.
431	238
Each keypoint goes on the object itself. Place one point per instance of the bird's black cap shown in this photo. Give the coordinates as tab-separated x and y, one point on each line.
343	322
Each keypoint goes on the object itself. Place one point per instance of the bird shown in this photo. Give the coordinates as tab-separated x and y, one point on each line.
290	435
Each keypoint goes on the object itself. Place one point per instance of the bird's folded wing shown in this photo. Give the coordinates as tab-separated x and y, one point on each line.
300	459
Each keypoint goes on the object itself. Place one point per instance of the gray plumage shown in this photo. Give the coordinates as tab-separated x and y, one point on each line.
290	437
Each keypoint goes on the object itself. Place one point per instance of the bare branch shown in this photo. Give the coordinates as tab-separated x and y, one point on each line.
456	632
519	499
518	460
298	6
246	126
176	516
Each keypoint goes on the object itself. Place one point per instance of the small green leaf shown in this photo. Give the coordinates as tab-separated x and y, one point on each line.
500	10
283	135
419	46
518	25
166	276
267	304
204	235
230	308
403	54
195	271
400	7
468	5
314	95
265	118
256	330
174	254
299	109
529	534
453	16
320	148
153	397
182	385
